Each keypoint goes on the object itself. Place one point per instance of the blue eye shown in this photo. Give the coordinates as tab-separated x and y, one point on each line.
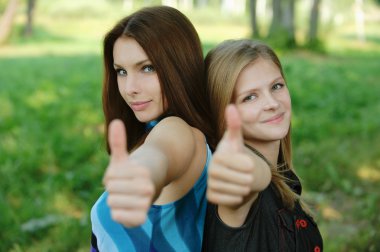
277	86
250	98
121	72
148	69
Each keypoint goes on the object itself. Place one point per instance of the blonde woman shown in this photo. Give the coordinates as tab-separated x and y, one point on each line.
252	184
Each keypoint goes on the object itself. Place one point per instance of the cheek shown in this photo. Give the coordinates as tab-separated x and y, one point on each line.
122	92
287	100
288	105
120	87
248	114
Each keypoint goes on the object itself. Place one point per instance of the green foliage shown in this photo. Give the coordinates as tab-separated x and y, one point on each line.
316	46
52	154
336	140
281	41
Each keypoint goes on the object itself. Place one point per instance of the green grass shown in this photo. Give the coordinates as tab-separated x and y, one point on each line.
52	154
336	143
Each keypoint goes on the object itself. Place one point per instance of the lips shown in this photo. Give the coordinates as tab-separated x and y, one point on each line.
140	105
275	119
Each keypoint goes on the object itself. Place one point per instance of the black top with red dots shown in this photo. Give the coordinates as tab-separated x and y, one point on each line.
269	226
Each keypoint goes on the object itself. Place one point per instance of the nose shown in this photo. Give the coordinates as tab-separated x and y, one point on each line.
130	85
271	102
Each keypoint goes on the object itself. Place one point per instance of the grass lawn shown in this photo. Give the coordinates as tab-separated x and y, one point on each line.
52	154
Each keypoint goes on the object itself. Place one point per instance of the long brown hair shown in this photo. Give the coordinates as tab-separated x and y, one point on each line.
172	44
223	66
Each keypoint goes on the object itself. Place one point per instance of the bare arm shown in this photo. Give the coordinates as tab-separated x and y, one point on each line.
136	180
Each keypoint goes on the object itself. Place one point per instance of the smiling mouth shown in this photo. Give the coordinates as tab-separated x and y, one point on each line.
138	106
275	119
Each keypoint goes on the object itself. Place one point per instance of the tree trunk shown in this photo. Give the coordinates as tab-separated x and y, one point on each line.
276	18
282	29
6	20
288	21
313	23
29	22
253	15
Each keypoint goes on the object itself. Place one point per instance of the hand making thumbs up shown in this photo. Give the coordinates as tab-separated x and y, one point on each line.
128	183
231	169
232	139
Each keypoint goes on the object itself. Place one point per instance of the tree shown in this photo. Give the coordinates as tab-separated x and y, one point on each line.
313	23
29	21
253	15
6	20
282	29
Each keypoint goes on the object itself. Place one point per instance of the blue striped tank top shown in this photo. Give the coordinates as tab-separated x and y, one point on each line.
176	226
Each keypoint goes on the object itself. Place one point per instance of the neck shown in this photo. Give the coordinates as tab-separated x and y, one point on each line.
269	150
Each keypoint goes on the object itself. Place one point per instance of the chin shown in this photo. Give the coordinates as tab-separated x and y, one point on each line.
273	136
145	119
142	119
282	134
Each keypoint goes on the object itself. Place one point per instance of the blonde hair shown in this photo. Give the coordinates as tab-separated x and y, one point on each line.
223	66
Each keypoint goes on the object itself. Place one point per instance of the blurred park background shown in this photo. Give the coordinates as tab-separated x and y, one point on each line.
52	154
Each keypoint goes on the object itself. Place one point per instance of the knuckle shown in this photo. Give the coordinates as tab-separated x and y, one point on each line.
146	205
211	183
110	200
218	156
213	172
115	215
143	172
140	218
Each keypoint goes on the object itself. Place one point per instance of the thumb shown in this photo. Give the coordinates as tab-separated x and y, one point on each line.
117	140
233	136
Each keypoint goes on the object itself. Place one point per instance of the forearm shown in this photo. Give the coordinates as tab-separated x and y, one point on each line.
262	175
156	163
236	215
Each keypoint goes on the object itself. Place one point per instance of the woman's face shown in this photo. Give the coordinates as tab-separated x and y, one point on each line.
263	101
137	80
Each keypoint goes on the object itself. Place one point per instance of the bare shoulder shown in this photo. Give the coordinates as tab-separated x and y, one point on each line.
172	126
175	132
183	146
173	122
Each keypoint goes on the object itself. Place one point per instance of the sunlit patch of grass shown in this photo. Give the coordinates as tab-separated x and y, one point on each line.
369	173
330	213
64	203
41	98
346	39
7	107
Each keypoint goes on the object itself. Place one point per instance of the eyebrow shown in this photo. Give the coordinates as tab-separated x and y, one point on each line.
137	64
254	89
277	79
